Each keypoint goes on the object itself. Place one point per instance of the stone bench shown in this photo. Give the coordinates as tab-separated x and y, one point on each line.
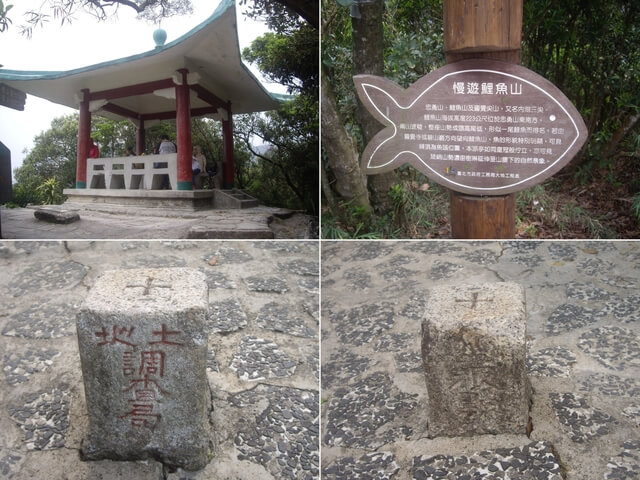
474	356
143	351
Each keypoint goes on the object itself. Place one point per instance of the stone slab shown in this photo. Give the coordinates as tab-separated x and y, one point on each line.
143	349
216	232
53	215
474	357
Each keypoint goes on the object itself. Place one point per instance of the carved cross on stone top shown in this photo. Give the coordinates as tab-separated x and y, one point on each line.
474	300
148	286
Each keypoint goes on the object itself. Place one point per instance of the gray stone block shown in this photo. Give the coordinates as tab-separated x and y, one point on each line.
53	215
143	350
474	357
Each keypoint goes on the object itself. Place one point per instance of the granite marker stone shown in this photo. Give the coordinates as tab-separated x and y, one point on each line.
143	350
474	357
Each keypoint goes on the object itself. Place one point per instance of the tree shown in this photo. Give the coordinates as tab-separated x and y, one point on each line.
64	11
271	9
53	155
590	51
151	10
287	174
289	56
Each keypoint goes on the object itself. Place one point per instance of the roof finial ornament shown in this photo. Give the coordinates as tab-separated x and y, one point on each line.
159	36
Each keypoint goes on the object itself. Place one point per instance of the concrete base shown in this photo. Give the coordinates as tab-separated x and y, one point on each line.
174	199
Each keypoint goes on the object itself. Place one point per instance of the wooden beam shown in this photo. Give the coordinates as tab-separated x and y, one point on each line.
132	90
208	97
171	114
118	110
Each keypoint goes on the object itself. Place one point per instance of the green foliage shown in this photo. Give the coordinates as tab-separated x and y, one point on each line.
290	59
4	20
413	32
287	173
591	51
53	156
540	206
355	222
50	191
419	206
23	196
113	137
279	18
411	56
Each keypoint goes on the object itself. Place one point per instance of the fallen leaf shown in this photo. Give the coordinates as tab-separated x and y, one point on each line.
213	261
424	187
557	264
591	251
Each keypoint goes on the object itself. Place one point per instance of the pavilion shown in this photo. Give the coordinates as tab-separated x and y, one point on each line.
198	74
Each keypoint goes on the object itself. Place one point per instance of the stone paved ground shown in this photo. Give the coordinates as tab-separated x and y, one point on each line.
102	221
583	307
263	356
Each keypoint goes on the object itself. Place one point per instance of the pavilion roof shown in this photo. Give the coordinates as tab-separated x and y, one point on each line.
210	52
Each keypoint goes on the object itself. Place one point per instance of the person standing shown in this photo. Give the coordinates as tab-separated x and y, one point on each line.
166	145
94	151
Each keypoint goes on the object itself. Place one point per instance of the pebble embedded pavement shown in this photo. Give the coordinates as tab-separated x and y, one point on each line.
583	331
263	361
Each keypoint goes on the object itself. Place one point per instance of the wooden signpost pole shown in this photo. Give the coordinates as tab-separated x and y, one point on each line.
482	29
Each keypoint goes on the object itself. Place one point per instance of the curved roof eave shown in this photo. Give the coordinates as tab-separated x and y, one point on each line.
210	49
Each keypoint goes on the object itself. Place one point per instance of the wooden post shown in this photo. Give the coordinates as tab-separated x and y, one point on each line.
227	151
183	133
482	29
84	134
140	138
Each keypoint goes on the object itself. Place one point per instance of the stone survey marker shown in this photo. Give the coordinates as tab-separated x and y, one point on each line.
474	355
143	349
481	127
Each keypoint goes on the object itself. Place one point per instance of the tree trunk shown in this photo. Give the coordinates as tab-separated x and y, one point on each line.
628	124
368	50
341	151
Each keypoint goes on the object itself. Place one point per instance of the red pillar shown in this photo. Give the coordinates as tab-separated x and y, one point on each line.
183	133
140	138
227	151
84	134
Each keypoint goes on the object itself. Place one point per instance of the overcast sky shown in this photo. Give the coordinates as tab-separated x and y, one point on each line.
86	42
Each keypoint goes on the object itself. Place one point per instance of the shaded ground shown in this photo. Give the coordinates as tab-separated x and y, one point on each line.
263	361
592	204
583	330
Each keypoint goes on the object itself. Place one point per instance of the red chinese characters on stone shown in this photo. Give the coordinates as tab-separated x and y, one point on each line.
144	370
116	334
164	333
141	413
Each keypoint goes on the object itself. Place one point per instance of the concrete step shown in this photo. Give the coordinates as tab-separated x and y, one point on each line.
234	199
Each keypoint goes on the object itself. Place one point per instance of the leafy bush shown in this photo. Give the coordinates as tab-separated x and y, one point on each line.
51	191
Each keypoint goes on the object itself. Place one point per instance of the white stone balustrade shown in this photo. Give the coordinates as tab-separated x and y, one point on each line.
145	172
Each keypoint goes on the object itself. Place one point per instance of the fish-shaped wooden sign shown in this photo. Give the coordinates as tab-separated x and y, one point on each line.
478	126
